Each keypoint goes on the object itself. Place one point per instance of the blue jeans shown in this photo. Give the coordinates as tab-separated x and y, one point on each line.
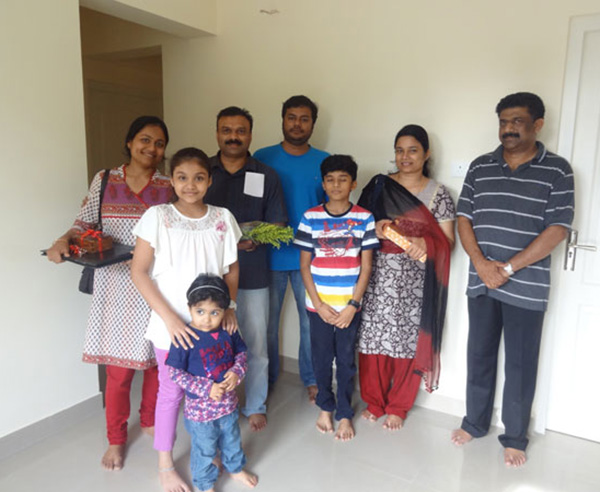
252	314
278	286
222	434
329	342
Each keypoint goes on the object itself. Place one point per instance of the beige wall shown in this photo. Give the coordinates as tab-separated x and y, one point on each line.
43	317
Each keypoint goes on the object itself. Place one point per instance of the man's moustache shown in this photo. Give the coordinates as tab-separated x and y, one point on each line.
508	135
229	142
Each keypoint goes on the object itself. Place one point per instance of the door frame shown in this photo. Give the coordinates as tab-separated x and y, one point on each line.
578	28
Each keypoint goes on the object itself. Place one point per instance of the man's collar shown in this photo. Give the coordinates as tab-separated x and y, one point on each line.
540	155
250	163
294	155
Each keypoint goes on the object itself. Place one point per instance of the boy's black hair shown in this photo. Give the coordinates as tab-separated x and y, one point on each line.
339	162
209	287
300	102
533	103
235	111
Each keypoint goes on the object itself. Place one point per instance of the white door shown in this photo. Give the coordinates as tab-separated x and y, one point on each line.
574	389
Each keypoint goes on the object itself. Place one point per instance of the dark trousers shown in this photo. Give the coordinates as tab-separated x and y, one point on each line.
328	342
522	335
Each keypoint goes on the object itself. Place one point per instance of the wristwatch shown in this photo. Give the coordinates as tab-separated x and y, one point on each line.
509	269
354	303
233	305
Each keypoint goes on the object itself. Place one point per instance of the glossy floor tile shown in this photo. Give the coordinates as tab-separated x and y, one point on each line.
290	455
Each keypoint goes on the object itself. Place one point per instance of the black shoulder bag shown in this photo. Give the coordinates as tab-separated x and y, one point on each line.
86	282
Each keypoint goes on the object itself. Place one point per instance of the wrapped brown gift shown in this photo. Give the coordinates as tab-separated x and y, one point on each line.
93	241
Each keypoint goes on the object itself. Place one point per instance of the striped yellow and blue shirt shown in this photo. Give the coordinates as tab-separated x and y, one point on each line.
336	242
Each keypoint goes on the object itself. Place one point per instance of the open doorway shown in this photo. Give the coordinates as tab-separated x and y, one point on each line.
118	87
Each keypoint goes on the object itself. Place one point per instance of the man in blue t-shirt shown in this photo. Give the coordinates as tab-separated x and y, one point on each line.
298	166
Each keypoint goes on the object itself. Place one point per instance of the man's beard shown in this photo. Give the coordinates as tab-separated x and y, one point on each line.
296	140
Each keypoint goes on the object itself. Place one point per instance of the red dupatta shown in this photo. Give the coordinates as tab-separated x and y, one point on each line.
386	199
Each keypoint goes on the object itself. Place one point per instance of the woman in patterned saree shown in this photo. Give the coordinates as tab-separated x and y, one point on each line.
119	315
404	305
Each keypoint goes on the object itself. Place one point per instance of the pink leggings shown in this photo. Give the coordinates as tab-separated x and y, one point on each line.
167	405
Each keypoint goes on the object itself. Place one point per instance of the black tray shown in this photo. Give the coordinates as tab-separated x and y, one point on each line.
117	254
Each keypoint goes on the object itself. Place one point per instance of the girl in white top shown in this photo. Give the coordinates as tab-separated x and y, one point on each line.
176	242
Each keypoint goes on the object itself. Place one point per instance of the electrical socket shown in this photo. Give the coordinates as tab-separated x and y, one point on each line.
459	169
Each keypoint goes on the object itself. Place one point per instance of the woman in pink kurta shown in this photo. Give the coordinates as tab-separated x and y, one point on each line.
119	315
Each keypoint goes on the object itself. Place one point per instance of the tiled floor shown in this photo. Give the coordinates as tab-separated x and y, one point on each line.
291	456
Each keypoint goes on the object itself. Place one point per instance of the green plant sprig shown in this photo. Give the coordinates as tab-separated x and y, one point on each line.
265	233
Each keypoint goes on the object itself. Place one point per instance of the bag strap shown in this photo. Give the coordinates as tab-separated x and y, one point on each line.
102	190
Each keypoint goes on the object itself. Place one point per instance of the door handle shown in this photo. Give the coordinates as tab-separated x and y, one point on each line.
571	250
587	247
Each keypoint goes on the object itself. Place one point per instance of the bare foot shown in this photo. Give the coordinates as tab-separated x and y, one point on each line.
312	393
168	476
460	437
114	457
514	458
247	478
393	423
345	431
325	422
148	431
170	480
368	416
258	421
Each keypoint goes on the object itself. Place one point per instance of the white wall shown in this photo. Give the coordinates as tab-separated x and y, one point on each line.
44	179
373	67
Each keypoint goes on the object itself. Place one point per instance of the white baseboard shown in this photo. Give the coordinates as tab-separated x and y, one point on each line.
440	403
432	401
55	424
456	407
289	364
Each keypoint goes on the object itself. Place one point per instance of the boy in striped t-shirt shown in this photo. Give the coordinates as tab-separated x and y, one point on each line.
336	240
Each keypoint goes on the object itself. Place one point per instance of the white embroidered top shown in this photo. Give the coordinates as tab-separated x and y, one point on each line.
184	248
